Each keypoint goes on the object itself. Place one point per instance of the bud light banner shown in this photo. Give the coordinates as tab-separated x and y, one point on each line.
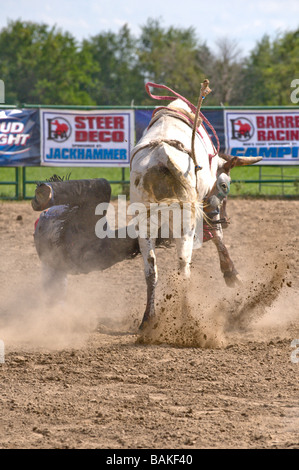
19	137
273	135
86	138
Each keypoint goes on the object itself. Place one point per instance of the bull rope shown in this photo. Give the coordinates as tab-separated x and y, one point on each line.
205	90
198	120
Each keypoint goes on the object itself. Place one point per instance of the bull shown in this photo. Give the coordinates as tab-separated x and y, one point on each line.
176	162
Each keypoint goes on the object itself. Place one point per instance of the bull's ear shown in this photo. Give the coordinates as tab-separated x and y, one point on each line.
247	160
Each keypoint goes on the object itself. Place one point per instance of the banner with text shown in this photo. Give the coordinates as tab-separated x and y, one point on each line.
19	137
86	138
271	134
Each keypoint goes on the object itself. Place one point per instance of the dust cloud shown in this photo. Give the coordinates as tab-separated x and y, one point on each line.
201	313
30	319
207	317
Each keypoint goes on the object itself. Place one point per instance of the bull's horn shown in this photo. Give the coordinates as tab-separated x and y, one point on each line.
247	160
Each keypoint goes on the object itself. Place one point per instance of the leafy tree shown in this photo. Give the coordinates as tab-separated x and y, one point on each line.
225	70
270	69
170	57
40	64
118	80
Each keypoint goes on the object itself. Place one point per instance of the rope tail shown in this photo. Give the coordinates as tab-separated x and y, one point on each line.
204	91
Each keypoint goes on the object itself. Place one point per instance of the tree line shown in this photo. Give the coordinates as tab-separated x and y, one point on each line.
40	64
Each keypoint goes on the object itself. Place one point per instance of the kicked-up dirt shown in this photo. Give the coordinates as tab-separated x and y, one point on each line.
217	370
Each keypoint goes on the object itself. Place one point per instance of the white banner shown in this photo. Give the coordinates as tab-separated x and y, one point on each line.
86	138
271	134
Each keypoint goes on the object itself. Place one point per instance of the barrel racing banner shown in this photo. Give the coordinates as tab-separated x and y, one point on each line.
86	138
19	137
271	134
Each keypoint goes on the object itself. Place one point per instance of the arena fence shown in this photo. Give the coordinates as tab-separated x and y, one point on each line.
271	181
19	182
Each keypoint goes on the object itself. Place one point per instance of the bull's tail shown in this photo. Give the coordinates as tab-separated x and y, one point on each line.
168	187
171	219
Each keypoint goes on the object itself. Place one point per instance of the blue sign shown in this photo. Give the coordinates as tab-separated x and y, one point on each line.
19	137
215	117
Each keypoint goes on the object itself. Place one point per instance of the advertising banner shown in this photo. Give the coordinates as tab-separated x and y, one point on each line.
86	138
271	134
19	137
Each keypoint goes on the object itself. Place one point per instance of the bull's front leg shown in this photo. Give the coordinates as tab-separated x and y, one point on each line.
230	274
147	248
223	213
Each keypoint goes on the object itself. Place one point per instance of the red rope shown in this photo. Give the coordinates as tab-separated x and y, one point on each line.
178	112
192	107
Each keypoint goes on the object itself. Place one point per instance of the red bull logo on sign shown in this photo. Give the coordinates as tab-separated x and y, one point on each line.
242	129
59	129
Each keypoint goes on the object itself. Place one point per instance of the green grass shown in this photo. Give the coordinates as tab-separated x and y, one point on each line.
36	174
238	188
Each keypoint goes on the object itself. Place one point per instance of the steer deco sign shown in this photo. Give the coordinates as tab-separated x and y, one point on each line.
271	134
86	138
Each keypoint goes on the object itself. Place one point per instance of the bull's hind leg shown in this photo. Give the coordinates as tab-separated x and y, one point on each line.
184	243
184	247
147	248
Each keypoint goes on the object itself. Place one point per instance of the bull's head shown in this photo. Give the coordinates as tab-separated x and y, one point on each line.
221	187
226	163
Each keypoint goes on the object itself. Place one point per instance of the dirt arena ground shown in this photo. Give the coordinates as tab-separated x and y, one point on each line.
220	376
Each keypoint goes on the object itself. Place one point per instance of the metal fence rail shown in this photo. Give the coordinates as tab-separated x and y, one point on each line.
15	183
21	183
26	182
288	183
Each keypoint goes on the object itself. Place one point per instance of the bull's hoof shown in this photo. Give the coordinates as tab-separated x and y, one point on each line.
232	279
143	325
146	323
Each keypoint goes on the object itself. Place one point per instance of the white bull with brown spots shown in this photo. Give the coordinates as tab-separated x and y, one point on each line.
168	165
